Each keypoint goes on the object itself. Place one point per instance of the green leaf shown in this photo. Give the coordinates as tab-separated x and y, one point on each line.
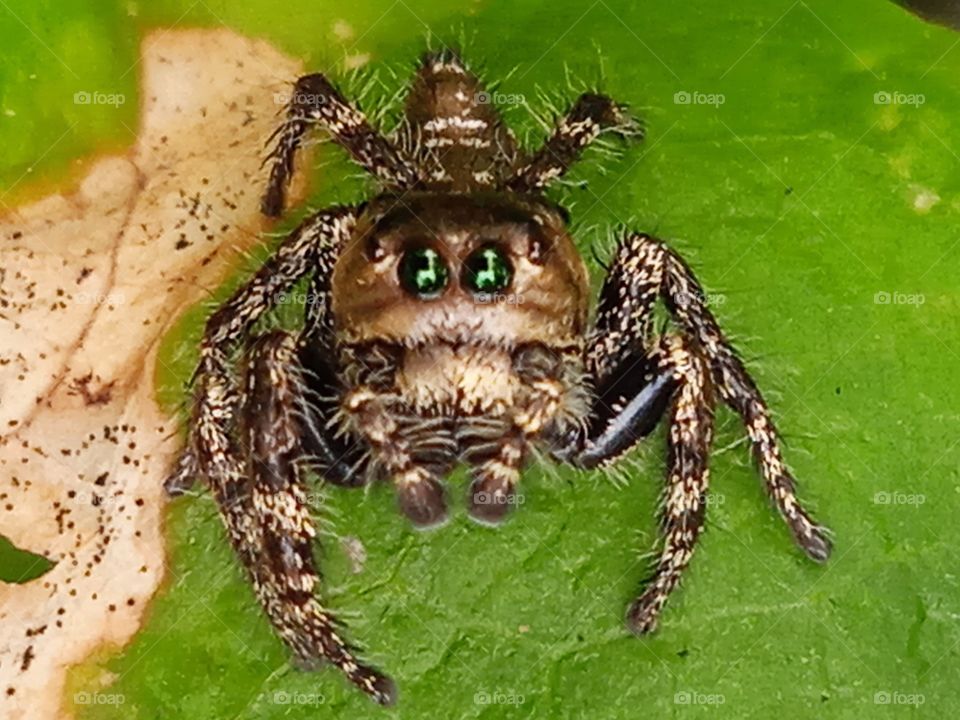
820	216
18	565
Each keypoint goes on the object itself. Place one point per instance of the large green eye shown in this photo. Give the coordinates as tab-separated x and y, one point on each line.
487	270
423	272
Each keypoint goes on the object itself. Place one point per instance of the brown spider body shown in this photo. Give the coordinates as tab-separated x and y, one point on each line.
448	322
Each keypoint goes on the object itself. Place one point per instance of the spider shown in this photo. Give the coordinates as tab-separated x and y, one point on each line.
412	357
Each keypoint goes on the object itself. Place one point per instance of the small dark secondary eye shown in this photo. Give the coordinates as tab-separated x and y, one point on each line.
423	272
487	270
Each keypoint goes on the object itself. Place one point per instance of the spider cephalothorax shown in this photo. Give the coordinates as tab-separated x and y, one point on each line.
447	323
480	300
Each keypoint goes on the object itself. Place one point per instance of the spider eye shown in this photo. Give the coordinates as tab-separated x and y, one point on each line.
422	272
487	270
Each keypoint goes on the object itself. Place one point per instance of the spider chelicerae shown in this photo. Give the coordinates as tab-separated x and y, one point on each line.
413	358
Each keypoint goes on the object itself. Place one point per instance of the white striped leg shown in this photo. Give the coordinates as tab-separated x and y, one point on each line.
316	102
215	392
590	115
642	264
688	441
272	528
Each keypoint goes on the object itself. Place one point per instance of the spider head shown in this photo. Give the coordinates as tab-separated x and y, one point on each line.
480	269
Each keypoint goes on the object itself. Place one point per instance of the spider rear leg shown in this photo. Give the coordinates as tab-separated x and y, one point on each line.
589	116
267	514
316	102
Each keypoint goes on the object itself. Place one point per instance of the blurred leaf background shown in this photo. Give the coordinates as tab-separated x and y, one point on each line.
803	156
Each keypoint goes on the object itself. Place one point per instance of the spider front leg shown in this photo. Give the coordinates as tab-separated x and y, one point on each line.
686	300
633	390
674	379
267	514
645	269
688	449
216	394
590	115
316	102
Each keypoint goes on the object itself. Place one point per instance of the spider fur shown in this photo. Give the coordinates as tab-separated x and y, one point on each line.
447	322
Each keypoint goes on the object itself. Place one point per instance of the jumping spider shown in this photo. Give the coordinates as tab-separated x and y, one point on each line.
406	366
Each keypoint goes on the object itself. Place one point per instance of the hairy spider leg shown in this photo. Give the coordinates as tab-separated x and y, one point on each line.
273	529
215	394
316	102
338	458
590	115
687	301
632	394
255	482
644	269
688	449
